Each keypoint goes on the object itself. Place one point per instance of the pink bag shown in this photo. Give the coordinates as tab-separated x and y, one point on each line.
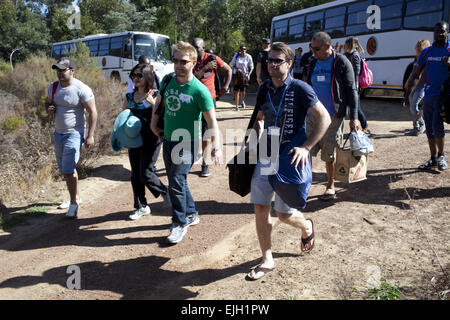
366	77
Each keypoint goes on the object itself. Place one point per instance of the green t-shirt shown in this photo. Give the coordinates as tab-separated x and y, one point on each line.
184	105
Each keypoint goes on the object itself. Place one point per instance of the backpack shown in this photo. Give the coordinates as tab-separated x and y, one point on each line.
365	78
217	80
444	109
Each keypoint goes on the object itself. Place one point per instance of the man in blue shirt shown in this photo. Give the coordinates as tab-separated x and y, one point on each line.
283	103
332	78
436	61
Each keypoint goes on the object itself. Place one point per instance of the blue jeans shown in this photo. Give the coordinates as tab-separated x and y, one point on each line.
414	100
178	162
433	121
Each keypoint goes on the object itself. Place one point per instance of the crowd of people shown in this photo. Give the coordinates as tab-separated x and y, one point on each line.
311	92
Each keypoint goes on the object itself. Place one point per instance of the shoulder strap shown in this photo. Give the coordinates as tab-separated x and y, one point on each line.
54	87
166	82
160	109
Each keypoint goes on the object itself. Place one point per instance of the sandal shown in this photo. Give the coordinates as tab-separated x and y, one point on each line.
309	240
428	165
258	272
329	194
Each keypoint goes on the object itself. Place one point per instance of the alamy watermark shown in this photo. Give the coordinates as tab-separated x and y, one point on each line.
74	21
74	280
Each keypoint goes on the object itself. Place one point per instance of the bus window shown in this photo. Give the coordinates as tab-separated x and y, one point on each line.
144	45
163	50
65	49
314	23
103	49
296	28
357	18
93	47
56	51
280	30
423	15
334	22
127	48
391	14
116	47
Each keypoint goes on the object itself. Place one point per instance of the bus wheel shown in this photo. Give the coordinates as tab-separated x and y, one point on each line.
115	77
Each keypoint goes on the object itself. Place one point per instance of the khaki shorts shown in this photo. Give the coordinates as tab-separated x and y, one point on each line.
330	141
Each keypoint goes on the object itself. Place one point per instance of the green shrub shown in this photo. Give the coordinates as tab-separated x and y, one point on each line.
13	124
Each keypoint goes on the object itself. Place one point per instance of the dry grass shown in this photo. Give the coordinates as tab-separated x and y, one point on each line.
26	135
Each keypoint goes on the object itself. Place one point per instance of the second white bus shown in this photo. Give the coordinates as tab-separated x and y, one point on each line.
118	53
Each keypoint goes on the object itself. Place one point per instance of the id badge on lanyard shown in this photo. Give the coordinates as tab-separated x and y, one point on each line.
274	132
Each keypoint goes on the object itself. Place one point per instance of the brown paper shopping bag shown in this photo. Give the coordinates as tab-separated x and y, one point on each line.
348	167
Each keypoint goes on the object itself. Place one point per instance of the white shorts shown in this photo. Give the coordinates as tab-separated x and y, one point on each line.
262	192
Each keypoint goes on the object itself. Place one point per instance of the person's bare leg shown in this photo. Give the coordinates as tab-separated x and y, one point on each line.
297	220
264	232
432	144
72	185
330	167
236	96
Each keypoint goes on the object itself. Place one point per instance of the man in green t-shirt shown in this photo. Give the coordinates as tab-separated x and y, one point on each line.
185	100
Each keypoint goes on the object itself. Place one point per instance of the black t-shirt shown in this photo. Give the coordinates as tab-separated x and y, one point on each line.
262	58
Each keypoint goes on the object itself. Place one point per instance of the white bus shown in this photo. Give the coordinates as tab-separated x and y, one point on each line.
387	29
118	53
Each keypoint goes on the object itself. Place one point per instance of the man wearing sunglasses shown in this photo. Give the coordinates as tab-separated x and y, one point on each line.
282	103
332	77
205	70
68	99
185	100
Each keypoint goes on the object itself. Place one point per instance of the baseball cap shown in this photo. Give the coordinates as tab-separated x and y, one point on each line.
63	64
265	40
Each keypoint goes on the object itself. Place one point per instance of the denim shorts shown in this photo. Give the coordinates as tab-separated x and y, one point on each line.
433	122
262	192
67	150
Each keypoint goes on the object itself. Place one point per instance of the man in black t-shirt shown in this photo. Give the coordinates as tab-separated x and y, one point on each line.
261	62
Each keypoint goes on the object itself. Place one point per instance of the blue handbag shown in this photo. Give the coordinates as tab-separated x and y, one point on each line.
292	184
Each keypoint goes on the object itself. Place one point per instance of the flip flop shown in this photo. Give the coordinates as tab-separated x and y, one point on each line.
308	240
258	272
329	194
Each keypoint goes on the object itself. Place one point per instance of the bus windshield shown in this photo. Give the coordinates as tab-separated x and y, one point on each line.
155	48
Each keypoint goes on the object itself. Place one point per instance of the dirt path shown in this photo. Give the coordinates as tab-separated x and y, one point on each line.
372	229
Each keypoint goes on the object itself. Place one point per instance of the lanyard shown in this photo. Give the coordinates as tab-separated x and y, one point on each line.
277	112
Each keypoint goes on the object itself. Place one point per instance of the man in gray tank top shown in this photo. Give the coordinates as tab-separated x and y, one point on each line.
67	100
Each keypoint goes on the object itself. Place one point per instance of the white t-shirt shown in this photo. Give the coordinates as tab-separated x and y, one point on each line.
69	115
244	63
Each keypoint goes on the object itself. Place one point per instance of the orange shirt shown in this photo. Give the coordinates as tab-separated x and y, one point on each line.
208	77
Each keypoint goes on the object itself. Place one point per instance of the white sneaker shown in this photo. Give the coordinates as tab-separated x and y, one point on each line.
66	204
73	211
139	213
177	233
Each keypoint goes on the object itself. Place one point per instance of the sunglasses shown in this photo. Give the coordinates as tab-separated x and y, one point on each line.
138	75
316	48
62	71
244	49
181	61
275	62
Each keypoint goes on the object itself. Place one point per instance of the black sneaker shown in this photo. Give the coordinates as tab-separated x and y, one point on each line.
432	163
205	171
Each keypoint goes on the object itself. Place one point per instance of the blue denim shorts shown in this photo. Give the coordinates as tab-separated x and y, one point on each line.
262	192
67	150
